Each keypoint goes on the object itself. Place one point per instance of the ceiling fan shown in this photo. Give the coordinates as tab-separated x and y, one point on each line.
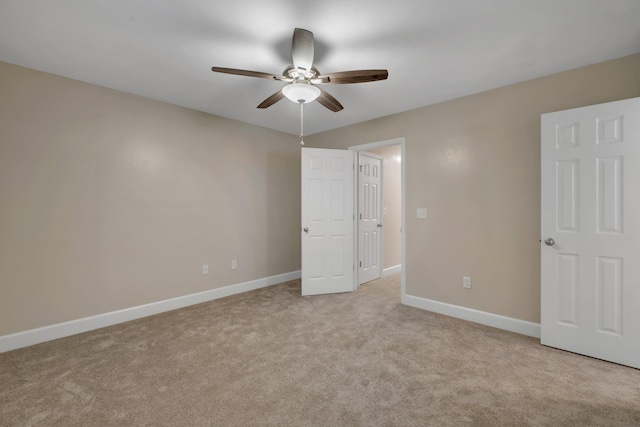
303	77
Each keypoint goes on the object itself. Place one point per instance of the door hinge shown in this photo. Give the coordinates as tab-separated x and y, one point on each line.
360	216
360	263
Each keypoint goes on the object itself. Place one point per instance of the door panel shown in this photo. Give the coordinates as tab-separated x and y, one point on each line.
327	216
567	267
370	222
609	289
609	198
590	190
568	210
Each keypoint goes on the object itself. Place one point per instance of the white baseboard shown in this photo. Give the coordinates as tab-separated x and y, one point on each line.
392	270
60	330
489	319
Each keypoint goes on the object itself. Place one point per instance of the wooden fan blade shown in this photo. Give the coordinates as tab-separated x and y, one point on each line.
302	49
328	101
245	73
271	100
356	76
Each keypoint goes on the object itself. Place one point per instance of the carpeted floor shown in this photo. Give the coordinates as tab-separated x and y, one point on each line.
272	357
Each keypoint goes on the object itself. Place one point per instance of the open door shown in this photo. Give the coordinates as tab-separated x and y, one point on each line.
591	231
327	221
369	217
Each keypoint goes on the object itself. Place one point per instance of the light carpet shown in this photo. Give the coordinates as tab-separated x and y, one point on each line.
272	357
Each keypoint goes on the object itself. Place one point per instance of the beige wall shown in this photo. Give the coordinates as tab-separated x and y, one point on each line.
474	162
391	187
109	200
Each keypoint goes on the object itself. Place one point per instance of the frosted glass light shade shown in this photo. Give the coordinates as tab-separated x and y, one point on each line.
301	92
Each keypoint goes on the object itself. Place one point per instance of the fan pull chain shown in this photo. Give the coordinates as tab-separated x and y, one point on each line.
301	123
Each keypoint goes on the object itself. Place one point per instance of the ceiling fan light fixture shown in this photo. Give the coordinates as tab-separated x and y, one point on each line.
301	92
302	76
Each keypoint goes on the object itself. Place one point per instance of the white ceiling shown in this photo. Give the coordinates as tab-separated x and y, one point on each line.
435	50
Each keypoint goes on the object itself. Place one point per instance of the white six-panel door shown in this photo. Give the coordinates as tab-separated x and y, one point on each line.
369	216
327	221
590	230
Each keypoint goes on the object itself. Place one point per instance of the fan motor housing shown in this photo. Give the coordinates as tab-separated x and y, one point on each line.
292	73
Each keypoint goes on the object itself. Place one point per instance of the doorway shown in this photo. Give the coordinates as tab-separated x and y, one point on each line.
392	208
329	205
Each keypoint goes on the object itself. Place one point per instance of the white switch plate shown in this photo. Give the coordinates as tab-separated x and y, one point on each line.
466	282
421	213
205	269
234	264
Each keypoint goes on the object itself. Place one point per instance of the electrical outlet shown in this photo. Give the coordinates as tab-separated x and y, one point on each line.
234	264
421	213
466	282
205	269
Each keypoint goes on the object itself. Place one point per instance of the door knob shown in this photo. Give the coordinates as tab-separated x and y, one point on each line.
379	225
549	242
306	229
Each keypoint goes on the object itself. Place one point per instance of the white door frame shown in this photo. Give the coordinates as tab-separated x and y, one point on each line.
372	146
